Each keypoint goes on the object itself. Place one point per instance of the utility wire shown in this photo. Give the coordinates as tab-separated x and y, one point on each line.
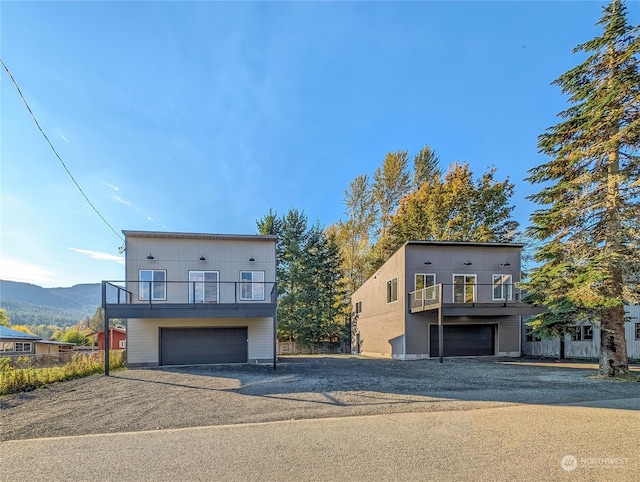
56	152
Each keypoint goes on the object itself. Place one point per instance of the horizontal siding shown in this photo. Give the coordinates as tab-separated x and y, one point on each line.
418	332
143	342
382	335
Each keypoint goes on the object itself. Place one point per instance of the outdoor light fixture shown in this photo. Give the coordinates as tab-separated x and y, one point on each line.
150	256
506	264
252	259
427	262
468	263
202	258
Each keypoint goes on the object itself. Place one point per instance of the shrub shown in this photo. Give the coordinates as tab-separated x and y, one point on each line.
19	374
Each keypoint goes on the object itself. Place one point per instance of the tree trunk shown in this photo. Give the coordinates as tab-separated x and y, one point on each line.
613	345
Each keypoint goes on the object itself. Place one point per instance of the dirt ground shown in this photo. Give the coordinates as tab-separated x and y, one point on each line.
301	387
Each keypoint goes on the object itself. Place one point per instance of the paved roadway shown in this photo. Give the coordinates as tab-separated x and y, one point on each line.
520	442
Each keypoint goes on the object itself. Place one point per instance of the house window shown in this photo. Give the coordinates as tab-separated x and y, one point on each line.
122	344
358	307
502	287
6	346
464	288
582	333
252	285
203	286
637	331
424	280
392	290
154	282
23	346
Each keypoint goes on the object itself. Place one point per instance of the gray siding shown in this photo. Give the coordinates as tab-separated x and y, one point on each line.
389	330
380	325
446	261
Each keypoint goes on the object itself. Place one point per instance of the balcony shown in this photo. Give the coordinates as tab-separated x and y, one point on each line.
189	299
471	299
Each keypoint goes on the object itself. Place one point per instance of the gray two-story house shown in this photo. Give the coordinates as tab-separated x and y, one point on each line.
466	288
195	298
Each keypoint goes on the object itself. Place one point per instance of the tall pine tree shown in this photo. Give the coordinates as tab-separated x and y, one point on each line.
588	228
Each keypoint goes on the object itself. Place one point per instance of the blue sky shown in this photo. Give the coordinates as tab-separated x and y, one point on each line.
202	116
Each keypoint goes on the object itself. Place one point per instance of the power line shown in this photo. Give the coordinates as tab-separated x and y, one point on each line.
56	152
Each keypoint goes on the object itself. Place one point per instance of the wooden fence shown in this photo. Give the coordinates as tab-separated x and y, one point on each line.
291	348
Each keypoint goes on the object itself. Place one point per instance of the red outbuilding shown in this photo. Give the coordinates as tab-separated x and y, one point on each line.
117	338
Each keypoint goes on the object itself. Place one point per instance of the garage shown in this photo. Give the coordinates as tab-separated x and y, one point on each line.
203	345
464	340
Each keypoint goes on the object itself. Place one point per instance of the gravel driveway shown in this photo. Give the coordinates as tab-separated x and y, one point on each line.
301	388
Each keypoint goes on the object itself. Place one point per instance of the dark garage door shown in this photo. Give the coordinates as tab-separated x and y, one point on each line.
464	340
194	346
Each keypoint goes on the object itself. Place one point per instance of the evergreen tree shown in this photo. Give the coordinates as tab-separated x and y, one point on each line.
311	300
589	224
390	183
426	167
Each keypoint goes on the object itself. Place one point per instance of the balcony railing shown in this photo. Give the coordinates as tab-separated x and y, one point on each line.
462	293
188	292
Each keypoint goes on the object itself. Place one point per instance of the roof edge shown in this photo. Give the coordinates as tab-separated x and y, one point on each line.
183	235
465	243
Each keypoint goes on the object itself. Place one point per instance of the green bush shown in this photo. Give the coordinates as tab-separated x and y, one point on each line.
19	374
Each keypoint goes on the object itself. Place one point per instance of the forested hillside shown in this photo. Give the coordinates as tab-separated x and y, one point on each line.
29	304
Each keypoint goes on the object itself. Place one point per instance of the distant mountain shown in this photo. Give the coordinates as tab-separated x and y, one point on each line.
30	304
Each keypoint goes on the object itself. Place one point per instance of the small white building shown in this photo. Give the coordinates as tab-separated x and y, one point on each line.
584	342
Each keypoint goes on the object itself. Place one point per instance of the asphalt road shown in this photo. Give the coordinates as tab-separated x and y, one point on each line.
517	442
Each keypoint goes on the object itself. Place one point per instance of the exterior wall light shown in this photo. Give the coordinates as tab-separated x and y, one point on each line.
468	263
202	258
150	256
252	259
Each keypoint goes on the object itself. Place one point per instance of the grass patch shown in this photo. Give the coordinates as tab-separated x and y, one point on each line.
19	374
627	377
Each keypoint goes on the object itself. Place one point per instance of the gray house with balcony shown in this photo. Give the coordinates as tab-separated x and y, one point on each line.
467	288
195	298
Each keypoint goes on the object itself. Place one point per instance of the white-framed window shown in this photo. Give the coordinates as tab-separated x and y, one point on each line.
392	290
502	287
464	288
154	282
251	285
424	280
6	346
582	333
358	307
203	286
23	346
122	344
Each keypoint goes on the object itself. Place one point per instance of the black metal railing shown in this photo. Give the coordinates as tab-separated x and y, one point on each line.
188	292
433	296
